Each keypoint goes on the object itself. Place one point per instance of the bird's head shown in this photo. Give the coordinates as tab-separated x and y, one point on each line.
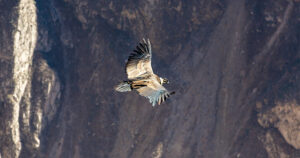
164	80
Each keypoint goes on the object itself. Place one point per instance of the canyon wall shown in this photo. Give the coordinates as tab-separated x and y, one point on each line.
234	64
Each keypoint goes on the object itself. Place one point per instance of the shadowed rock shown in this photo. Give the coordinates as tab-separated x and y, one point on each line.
235	67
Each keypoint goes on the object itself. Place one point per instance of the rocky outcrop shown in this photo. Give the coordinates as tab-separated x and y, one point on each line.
29	86
20	59
233	64
286	118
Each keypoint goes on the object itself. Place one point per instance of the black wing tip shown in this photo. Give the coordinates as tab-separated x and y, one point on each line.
144	40
164	98
142	50
144	44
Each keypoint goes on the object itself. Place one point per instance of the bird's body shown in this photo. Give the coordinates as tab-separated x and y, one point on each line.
141	77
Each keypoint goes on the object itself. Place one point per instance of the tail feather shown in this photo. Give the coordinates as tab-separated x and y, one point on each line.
123	87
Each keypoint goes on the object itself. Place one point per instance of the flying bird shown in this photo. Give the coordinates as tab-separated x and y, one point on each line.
141	77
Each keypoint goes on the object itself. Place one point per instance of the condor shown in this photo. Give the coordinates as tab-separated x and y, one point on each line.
141	77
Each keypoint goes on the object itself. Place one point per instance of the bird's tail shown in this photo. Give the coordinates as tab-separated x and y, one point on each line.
123	87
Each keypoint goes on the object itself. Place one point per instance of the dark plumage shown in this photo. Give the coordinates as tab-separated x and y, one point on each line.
141	77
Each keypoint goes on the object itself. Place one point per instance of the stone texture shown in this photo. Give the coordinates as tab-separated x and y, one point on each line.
20	59
287	119
233	64
273	149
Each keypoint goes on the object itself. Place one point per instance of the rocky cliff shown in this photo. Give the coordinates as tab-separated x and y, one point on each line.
234	64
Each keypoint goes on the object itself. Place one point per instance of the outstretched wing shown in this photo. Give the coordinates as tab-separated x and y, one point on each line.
139	62
155	92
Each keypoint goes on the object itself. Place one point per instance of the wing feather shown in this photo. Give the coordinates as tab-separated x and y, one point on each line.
155	92
139	62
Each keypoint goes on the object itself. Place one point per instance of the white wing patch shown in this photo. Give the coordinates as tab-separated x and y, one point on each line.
155	92
139	62
138	68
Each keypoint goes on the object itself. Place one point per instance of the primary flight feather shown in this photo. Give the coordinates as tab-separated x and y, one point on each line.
141	77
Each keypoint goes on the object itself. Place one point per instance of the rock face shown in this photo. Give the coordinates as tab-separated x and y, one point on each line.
235	67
